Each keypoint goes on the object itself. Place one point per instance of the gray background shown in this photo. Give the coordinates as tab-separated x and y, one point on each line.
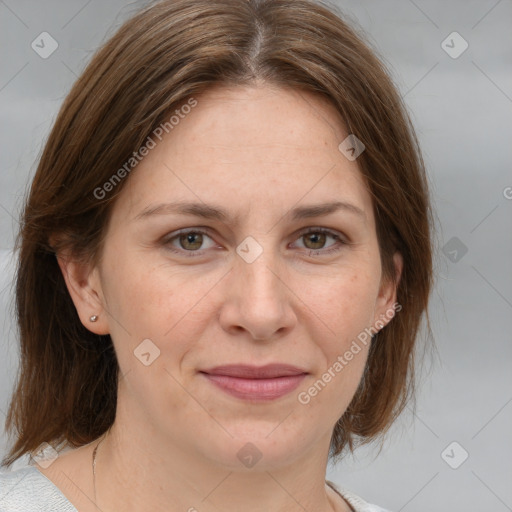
462	108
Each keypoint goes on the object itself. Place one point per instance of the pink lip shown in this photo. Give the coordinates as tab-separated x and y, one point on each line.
256	383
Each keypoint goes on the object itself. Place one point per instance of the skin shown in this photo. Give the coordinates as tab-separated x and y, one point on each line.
258	152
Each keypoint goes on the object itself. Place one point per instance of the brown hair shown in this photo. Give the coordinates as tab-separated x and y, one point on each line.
67	383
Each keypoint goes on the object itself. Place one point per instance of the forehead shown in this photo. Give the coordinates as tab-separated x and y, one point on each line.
248	146
262	115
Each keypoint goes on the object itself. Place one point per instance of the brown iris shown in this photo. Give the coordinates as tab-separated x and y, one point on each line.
318	239
191	241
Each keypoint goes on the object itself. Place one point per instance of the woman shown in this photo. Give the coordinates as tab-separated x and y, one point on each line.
224	261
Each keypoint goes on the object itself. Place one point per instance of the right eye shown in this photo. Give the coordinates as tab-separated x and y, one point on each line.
188	241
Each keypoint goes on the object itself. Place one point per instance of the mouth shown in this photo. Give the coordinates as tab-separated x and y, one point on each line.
255	383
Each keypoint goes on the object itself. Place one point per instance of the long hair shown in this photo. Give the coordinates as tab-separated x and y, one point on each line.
165	54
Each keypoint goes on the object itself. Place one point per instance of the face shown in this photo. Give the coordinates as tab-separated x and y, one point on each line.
260	272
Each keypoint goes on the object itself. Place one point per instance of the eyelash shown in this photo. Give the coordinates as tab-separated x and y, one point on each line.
188	254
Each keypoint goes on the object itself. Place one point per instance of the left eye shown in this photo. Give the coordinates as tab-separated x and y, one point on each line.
317	238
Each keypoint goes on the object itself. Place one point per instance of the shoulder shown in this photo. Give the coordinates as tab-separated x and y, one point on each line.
357	503
27	488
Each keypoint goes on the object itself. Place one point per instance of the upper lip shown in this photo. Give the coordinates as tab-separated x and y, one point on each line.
245	371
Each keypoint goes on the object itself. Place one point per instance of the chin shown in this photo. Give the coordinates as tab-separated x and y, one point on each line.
256	448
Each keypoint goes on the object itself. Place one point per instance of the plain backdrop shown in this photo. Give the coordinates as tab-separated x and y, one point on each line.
461	105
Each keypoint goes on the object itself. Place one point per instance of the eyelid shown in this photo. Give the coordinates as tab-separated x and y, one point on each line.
203	230
328	231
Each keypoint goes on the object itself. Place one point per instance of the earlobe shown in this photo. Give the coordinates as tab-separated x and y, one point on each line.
84	287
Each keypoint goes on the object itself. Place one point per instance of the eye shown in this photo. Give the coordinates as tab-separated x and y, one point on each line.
189	241
315	239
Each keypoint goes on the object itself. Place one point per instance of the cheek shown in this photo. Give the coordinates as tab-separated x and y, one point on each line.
346	303
145	293
159	303
347	307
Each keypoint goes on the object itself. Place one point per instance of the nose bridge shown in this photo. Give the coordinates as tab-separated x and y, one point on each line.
259	301
260	278
256	268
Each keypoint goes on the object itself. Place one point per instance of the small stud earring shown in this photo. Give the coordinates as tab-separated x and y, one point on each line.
93	318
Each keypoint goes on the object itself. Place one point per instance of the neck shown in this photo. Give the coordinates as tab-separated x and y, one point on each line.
137	469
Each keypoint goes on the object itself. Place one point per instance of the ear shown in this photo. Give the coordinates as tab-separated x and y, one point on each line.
386	305
84	286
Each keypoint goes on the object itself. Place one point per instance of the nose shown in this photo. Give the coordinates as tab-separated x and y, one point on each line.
259	300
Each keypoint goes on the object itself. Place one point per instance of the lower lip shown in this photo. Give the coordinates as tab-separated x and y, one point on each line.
256	389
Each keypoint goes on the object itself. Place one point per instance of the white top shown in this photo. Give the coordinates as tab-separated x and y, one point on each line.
27	490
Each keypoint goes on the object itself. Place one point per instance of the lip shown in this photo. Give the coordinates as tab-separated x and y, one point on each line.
245	371
261	383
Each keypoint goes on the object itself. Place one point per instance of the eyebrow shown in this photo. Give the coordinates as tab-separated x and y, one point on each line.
206	211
